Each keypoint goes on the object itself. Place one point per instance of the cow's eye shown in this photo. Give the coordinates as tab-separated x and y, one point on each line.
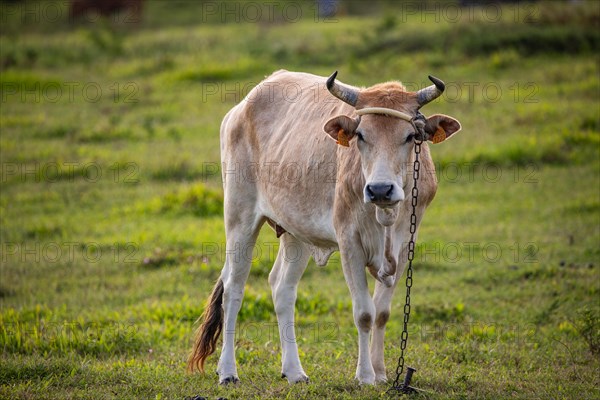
410	137
360	136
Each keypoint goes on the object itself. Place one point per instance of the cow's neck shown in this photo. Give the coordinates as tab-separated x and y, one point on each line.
350	180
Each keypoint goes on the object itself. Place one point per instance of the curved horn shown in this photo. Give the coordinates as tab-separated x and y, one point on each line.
432	92
341	91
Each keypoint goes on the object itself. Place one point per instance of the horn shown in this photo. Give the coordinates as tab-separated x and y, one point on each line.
344	93
432	92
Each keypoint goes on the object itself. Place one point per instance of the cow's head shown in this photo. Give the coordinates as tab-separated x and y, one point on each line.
383	129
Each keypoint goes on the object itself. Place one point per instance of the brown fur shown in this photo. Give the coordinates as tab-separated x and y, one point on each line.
208	332
388	94
382	319
365	321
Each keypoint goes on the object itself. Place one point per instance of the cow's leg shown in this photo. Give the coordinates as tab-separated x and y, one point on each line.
242	229
382	297
289	266
353	264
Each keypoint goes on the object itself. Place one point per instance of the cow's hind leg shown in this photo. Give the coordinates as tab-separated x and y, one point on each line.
242	229
289	266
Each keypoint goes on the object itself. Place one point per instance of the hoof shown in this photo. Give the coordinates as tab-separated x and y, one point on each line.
300	378
367	380
366	383
228	380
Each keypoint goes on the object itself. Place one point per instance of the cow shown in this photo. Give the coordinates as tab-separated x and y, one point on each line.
364	139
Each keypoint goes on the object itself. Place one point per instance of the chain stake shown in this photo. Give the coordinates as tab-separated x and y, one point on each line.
405	386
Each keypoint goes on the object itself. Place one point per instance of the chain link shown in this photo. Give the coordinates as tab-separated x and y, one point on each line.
397	386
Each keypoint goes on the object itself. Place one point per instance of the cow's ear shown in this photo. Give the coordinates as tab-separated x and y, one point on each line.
440	127
341	129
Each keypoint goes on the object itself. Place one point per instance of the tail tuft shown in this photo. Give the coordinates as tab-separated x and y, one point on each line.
208	332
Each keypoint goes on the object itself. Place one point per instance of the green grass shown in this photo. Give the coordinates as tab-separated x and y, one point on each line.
110	203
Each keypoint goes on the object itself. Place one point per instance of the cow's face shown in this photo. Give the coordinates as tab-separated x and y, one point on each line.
385	145
385	142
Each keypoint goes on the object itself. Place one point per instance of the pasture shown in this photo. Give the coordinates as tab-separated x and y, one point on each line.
111	204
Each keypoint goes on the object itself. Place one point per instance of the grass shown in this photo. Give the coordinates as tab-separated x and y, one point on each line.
110	207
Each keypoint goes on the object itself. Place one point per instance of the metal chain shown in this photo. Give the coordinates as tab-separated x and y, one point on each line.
396	386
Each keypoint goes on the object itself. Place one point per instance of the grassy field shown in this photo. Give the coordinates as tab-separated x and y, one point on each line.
111	203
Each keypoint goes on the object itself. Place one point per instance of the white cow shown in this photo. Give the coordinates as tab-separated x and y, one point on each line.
348	196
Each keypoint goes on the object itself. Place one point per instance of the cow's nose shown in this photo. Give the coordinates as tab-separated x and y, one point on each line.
380	192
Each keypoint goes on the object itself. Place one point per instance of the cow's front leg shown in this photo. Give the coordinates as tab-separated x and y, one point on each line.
382	297
353	263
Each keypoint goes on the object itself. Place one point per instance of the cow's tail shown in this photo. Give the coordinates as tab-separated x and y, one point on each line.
208	332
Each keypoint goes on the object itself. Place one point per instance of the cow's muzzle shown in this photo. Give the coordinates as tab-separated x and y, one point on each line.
383	194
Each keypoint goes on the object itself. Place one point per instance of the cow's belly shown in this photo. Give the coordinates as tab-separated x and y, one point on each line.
306	221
